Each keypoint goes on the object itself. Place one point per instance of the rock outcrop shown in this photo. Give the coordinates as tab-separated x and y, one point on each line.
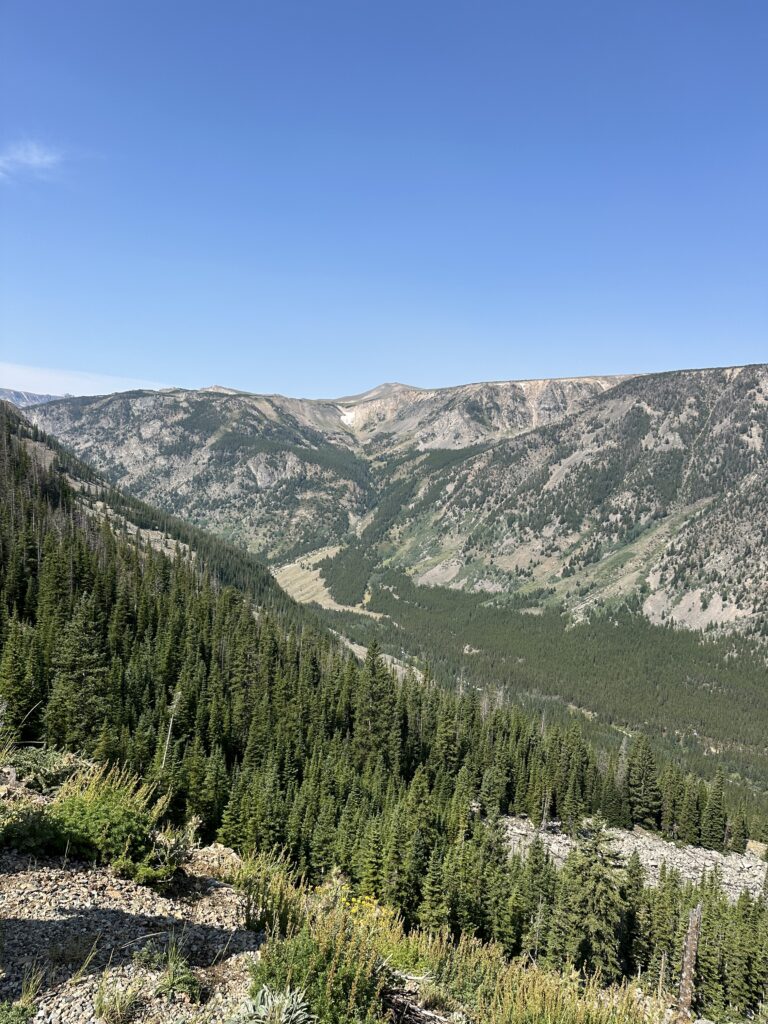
738	872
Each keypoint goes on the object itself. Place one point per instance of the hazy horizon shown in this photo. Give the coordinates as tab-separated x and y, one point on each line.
65	383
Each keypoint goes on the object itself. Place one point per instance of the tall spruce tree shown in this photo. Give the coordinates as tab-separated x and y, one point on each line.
643	786
589	909
713	821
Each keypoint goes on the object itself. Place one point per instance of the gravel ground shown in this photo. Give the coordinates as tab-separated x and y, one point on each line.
76	924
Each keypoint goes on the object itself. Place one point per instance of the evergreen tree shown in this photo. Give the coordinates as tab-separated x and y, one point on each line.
19	689
689	825
589	908
79	698
713	820
433	909
370	868
642	785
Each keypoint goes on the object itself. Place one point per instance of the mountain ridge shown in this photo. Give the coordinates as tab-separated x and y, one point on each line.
586	489
25	399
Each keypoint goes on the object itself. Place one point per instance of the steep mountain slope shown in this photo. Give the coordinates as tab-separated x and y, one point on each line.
660	485
288	475
252	468
583	491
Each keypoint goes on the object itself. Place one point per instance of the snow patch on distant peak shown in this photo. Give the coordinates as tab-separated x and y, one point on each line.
219	389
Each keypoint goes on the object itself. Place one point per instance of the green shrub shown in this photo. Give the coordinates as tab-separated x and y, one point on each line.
44	768
106	814
14	1013
333	961
287	1007
23	1010
28	827
150	956
274	898
101	814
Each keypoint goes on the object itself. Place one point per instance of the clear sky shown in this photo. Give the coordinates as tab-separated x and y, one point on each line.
315	197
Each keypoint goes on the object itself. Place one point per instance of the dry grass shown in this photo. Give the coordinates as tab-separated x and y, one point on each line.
467	976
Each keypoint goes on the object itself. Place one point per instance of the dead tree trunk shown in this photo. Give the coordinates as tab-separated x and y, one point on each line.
685	998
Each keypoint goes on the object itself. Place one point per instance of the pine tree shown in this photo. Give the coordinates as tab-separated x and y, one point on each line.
642	785
634	948
323	838
689	824
19	690
370	866
79	698
739	832
538	885
711	976
588	912
433	909
713	821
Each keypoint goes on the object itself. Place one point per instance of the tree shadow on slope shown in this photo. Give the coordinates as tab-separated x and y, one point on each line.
92	938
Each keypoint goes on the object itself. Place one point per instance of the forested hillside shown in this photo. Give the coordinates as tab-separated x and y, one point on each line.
655	490
538	539
618	673
262	726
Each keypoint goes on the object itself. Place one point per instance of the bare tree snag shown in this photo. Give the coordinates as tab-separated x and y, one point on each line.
685	998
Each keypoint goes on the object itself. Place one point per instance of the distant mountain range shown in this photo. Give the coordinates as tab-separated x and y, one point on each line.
578	492
24	399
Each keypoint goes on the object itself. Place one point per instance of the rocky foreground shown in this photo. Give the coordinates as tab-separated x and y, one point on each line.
83	931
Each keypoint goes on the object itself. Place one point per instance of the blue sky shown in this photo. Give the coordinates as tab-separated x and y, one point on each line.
314	197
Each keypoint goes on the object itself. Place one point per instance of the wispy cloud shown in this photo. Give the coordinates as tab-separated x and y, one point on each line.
49	381
27	158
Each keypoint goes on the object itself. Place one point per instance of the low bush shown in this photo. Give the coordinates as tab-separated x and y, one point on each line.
268	1007
332	960
27	826
105	815
15	1013
274	896
43	769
